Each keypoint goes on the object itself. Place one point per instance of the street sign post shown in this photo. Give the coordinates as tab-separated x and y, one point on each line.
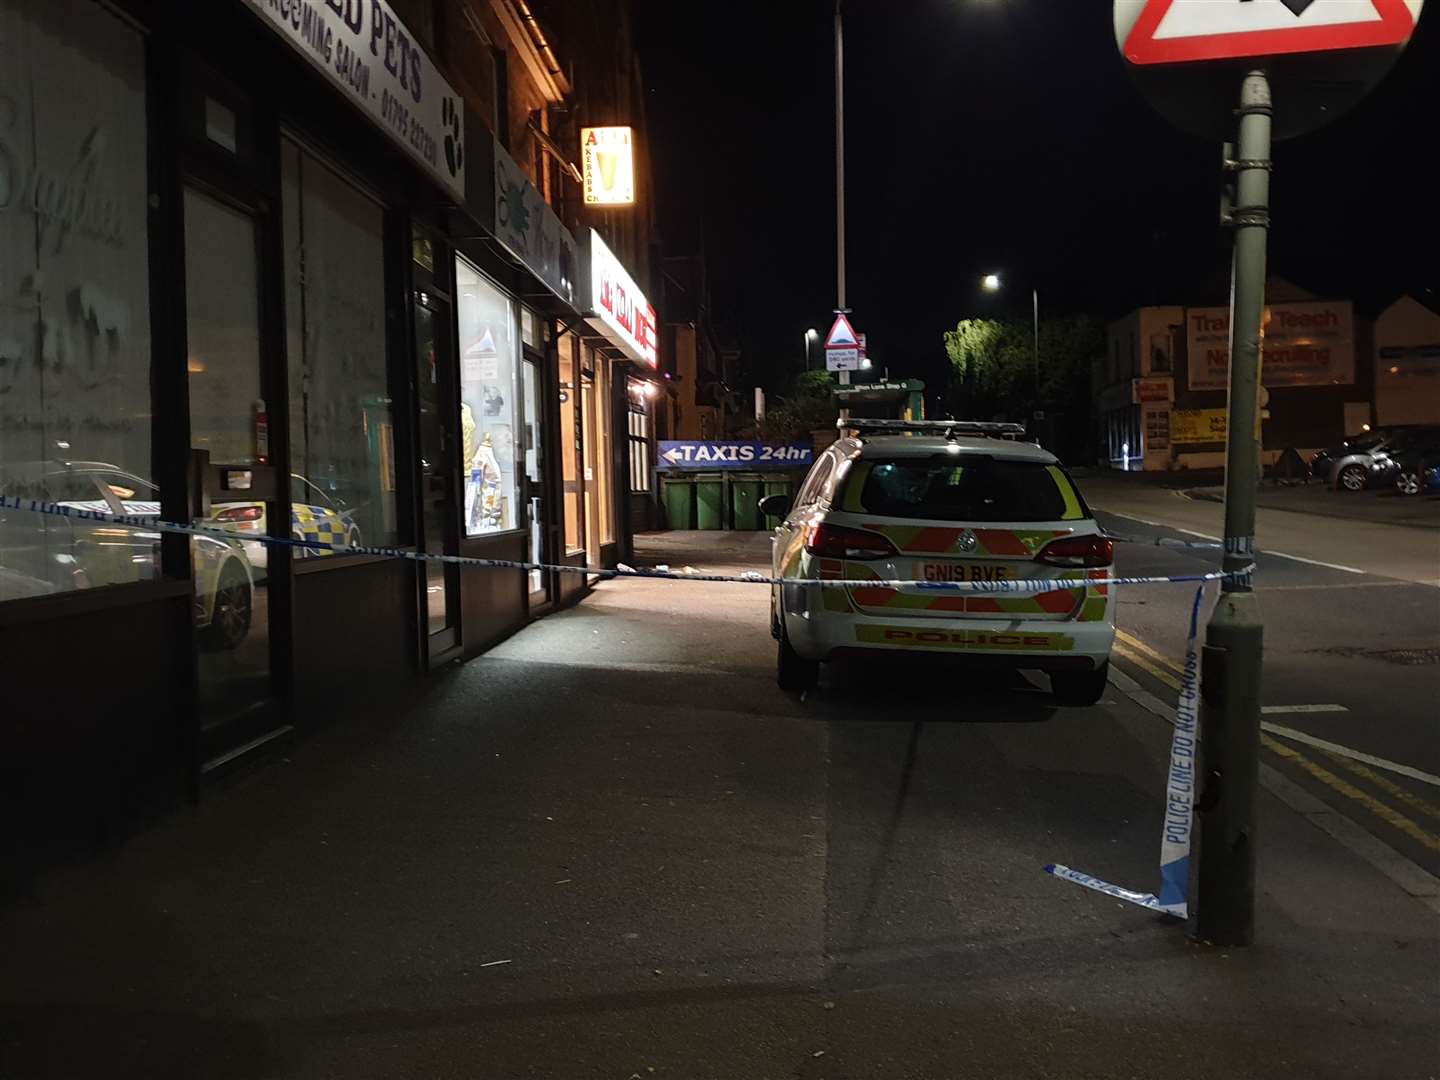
1184	55
842	346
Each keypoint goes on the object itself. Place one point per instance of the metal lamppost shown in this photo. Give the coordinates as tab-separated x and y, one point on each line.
992	283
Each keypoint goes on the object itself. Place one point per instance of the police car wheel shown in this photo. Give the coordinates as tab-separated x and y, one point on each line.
232	613
1080	687
792	671
1352	478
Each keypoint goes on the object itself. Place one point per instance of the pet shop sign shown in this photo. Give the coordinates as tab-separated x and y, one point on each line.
363	48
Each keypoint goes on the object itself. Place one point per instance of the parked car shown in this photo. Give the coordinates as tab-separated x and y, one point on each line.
936	502
1417	471
45	554
1368	459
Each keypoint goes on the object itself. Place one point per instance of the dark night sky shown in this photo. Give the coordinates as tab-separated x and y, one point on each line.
993	134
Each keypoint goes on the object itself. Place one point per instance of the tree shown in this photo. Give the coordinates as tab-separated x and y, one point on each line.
807	406
994	374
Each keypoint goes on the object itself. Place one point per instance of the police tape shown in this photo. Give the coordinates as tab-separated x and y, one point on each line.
1180	787
1022	586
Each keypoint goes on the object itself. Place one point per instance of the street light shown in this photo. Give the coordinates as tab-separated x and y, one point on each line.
992	283
810	335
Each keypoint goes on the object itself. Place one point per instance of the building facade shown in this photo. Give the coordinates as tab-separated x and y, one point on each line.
311	270
1161	387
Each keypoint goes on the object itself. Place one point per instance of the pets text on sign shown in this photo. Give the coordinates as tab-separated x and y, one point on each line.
364	48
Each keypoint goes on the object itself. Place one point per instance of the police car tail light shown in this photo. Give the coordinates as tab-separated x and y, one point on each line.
240	513
1078	551
838	542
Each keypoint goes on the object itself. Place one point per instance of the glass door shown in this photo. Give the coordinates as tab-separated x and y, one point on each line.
435	394
591	493
535	481
233	482
573	487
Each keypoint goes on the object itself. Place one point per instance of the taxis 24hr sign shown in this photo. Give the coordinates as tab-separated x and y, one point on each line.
750	456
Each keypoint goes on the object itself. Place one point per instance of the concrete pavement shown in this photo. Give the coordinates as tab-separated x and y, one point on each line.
612	848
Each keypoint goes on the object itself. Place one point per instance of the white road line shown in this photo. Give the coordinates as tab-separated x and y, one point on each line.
1353	755
1312	562
1259	550
1340	585
1272	710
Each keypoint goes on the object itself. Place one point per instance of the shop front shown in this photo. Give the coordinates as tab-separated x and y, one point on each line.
614	347
247	286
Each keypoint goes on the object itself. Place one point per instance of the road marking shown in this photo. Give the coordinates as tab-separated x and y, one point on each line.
1384	812
1134	656
1312	562
1136	643
1413	879
1353	755
1258	550
1395	791
1339	585
1141	662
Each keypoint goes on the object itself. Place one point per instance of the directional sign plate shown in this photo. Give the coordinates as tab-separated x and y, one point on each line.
1184	31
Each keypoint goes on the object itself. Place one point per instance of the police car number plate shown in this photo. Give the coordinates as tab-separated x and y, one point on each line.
965	572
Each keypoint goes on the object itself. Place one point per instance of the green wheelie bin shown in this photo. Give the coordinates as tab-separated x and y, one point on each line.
710	501
745	494
680	501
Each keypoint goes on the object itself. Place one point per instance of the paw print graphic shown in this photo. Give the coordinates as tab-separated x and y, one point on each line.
454	144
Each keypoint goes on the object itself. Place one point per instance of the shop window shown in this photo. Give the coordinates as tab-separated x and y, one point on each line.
341	416
489	356
74	295
639	452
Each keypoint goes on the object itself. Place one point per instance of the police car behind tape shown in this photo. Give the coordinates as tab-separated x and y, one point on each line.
933	502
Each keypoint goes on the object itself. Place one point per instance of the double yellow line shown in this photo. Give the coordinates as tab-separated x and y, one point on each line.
1156	663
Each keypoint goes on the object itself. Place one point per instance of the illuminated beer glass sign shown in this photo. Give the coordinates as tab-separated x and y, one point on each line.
608	154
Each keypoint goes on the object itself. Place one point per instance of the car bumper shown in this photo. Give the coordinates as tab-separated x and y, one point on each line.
1039	644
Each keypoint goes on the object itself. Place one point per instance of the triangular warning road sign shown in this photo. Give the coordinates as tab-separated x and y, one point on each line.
1179	31
842	335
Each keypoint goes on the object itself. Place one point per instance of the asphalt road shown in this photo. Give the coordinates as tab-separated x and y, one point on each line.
613	848
1352	649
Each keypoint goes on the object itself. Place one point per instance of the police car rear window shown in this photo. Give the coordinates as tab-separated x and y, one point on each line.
963	488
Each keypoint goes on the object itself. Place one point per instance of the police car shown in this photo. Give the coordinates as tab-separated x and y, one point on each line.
314	515
933	502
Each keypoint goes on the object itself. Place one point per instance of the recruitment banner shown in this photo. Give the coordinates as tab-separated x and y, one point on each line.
1304	344
1189	426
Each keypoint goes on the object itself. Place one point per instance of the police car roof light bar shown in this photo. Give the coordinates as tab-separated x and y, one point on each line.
944	428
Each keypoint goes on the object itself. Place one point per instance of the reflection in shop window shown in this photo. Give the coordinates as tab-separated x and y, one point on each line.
341	425
74	296
489	351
